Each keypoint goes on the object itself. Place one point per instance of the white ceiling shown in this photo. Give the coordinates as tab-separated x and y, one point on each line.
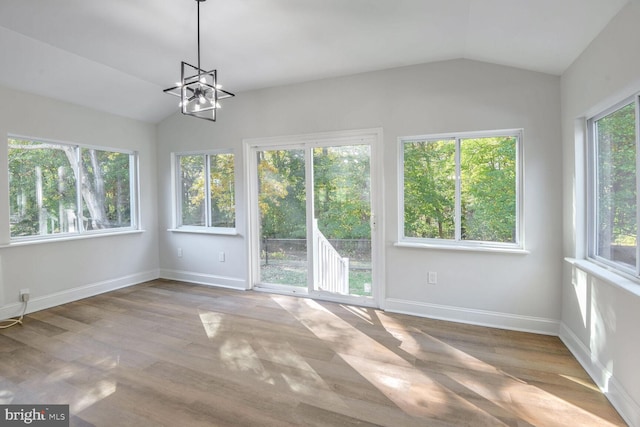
118	55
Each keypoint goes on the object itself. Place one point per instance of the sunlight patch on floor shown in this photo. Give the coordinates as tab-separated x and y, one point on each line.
582	382
531	404
61	374
361	312
395	375
238	355
393	382
101	390
211	322
6	397
283	354
295	371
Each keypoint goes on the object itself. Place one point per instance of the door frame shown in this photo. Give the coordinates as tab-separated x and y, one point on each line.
373	137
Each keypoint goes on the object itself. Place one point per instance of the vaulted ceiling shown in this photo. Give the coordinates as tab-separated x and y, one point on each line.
118	55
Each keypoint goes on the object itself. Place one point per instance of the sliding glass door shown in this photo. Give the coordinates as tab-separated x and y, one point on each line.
312	209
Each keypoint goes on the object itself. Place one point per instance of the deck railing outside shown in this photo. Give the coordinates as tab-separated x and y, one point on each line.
331	270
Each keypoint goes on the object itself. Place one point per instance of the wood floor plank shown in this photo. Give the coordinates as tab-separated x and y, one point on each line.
7	344
166	353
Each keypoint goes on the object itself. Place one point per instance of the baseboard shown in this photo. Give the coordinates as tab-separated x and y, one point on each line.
625	405
204	279
492	319
75	294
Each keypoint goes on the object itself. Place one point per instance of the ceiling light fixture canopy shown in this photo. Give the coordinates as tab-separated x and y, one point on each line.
198	90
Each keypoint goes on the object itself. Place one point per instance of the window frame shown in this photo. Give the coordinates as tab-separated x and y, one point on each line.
592	189
177	225
134	191
458	243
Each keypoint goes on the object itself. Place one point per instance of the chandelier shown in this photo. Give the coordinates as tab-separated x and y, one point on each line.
198	90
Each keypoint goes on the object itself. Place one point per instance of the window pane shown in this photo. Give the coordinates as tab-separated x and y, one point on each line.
106	189
616	186
488	189
192	180
222	189
42	188
429	189
282	201
342	228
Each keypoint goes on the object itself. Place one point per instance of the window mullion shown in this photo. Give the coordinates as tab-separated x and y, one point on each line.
80	212
458	202
177	189
592	189
207	190
637	102
134	191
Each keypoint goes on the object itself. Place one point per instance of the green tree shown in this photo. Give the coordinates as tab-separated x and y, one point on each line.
192	181
343	191
429	189
43	180
41	188
282	195
222	190
488	189
616	185
341	188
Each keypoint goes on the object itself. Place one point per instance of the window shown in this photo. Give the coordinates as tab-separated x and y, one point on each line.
613	197
461	189
206	191
62	189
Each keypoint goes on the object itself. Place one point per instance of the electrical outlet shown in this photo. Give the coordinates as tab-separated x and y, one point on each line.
433	278
179	252
221	257
24	295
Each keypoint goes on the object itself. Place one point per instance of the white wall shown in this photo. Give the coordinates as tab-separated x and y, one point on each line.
600	311
61	271
516	291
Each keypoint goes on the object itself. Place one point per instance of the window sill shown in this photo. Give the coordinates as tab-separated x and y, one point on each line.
203	230
614	278
493	249
58	239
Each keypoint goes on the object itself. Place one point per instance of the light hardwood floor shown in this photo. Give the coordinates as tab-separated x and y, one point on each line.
166	353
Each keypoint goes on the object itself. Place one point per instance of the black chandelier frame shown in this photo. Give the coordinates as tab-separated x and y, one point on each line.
198	89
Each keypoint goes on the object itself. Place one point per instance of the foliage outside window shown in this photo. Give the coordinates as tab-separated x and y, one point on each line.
461	189
613	198
206	196
341	177
64	189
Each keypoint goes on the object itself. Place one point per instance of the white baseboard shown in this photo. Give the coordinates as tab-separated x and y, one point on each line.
629	410
74	294
204	279
492	319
